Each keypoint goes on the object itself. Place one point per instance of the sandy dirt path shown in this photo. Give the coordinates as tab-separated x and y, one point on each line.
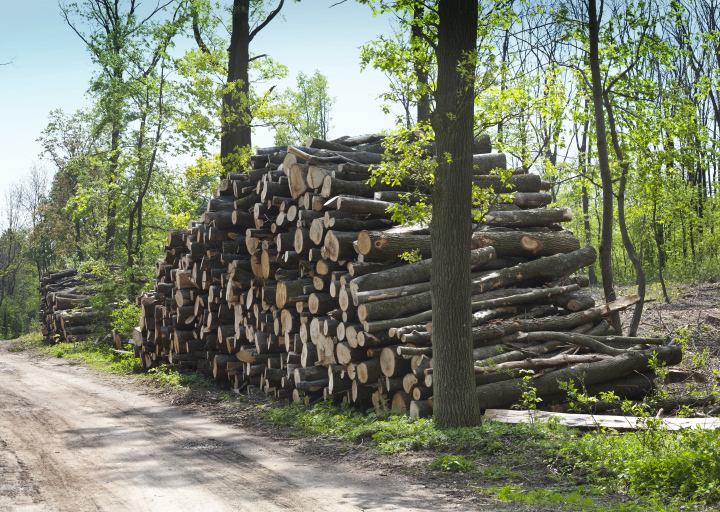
74	440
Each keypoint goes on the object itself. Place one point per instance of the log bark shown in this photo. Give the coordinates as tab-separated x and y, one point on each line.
487	333
532	199
360	205
523	298
339	244
518	183
550	268
288	290
385	245
345	354
419	272
528	245
500	394
484	163
420	409
392	364
332	187
350	224
321	303
526	218
549	362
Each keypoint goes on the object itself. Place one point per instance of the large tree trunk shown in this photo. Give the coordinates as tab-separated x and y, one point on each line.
606	236
236	116
455	405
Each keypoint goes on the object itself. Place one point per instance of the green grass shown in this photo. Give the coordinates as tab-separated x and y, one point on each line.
102	358
586	498
391	433
654	466
654	462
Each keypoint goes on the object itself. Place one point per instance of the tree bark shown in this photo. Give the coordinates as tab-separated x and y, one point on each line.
627	243
489	333
360	205
237	112
450	228
500	394
418	272
525	218
606	235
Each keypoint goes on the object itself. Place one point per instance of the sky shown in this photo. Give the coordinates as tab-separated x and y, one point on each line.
50	69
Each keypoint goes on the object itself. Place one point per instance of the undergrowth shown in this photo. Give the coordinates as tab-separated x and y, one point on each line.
102	358
660	463
664	469
391	433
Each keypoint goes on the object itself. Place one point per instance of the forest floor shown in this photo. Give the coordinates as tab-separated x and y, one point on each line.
73	438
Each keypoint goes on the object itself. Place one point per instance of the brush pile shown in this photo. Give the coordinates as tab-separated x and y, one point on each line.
292	282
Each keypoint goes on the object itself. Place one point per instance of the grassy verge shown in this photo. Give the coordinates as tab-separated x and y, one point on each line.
102	358
656	469
542	465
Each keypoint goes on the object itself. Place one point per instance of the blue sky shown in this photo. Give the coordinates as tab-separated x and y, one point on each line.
50	69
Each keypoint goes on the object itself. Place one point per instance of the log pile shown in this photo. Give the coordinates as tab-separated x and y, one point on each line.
292	283
65	306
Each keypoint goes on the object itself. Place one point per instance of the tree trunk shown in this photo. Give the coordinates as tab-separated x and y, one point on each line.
450	229
661	261
236	116
606	235
419	67
629	247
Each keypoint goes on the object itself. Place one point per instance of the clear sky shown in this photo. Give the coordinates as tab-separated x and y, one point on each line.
50	69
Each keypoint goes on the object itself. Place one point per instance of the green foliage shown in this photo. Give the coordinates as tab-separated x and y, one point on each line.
396	57
648	464
205	83
409	161
452	464
168	377
392	433
99	357
306	111
125	317
656	462
528	399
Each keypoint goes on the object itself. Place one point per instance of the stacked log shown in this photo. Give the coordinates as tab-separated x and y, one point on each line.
292	283
65	305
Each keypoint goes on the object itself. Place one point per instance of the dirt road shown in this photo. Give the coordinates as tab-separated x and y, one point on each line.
71	439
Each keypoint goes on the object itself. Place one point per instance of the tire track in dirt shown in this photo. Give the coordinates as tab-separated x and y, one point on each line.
70	441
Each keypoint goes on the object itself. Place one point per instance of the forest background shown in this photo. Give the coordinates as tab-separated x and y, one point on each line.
143	156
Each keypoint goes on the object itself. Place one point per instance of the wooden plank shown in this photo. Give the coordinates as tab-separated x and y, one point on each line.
587	421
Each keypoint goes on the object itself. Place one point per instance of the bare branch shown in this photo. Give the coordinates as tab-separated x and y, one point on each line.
267	20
